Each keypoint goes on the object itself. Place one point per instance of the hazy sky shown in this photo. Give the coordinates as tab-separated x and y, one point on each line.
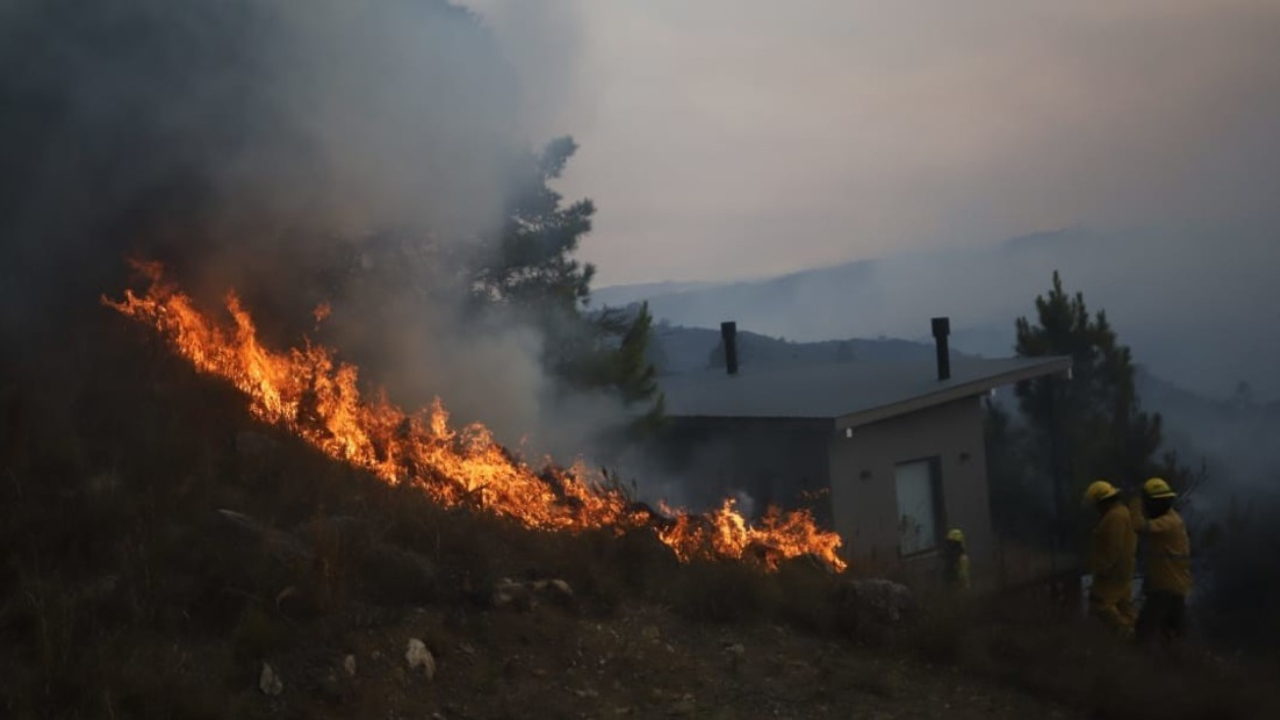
735	138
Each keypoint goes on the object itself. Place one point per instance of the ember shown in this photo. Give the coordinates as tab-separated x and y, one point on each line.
316	397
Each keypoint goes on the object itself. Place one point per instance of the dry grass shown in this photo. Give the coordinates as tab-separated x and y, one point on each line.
116	462
123	592
1080	665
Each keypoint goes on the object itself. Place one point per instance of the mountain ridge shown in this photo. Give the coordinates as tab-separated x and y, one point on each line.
1158	294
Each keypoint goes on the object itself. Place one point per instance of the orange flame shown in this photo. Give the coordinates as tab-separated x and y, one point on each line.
316	397
321	313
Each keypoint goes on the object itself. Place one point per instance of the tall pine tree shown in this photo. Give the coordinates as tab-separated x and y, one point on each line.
529	267
1091	426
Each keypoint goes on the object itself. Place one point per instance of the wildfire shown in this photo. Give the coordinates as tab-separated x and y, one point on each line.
316	397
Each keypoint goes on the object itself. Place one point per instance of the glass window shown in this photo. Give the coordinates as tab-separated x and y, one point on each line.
918	505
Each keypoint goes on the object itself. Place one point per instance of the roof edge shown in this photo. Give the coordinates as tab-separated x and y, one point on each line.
1051	366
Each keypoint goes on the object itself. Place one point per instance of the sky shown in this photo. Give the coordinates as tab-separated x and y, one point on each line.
729	139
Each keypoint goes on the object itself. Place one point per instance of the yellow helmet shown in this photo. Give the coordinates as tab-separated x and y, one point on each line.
1098	491
954	535
1158	489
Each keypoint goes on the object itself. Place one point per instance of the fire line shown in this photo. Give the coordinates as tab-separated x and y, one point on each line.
316	397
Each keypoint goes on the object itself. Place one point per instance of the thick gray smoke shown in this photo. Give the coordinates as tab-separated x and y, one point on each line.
288	150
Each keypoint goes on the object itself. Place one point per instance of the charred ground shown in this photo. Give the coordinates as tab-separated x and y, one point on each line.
126	592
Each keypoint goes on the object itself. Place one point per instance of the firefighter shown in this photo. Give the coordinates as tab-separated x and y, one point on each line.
1112	560
956	557
1168	561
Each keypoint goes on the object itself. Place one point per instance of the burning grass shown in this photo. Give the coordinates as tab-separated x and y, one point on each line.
310	393
124	592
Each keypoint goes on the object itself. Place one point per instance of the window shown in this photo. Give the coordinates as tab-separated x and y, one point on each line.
919	505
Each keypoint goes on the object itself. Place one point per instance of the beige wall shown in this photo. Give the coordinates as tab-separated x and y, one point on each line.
863	495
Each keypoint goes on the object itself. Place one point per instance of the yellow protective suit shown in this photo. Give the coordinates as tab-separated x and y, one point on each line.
1168	551
1112	562
962	572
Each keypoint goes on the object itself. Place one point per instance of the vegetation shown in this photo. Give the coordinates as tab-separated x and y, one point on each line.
529	267
524	275
1076	430
125	592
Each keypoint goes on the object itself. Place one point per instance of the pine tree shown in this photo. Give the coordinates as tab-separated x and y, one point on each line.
530	261
529	269
1091	426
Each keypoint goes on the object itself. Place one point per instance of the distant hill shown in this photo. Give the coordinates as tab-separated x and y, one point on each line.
1202	319
1235	438
682	350
628	294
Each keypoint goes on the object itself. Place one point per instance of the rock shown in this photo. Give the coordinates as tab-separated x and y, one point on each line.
651	633
879	601
560	593
418	656
349	665
553	588
508	594
512	595
268	682
736	653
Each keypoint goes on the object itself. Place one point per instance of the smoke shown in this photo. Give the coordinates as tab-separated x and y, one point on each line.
863	129
544	41
357	153
1194	318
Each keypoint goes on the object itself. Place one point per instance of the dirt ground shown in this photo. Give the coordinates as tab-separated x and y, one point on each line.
643	663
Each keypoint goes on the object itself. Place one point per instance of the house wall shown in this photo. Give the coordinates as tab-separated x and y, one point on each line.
864	497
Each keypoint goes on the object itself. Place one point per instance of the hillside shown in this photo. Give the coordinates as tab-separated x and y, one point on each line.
160	547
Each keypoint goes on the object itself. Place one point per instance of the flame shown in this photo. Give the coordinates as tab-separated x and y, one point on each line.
316	397
321	313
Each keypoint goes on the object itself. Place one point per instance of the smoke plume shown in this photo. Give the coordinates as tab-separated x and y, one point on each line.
328	151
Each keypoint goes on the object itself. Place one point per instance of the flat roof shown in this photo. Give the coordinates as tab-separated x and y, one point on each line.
848	393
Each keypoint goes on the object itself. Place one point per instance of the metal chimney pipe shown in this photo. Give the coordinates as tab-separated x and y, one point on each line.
941	329
729	336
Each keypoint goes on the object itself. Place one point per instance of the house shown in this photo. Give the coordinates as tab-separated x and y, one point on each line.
888	455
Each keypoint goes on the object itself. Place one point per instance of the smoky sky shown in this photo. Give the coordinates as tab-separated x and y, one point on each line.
248	122
283	150
735	138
